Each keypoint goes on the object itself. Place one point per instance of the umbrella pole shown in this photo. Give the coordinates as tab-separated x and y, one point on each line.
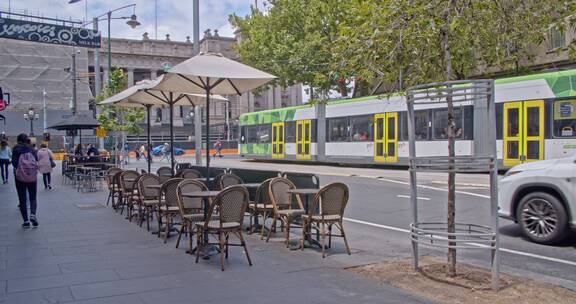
80	140
207	131
148	154
171	133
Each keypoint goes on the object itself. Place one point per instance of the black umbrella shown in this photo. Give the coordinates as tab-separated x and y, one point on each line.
76	122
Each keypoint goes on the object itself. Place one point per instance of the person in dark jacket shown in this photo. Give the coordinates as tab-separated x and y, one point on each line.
22	147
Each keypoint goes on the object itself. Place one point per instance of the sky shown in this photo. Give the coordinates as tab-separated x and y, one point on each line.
174	16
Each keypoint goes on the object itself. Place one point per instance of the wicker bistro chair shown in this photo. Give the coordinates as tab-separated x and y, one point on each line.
332	200
215	183
230	204
165	173
148	198
168	206
191	208
189	173
112	187
261	206
227	180
117	190
282	205
126	180
133	203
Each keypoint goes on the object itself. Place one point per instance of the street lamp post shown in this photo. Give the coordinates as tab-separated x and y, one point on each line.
31	116
132	22
74	77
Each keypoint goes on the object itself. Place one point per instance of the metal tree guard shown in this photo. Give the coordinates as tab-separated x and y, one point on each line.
479	94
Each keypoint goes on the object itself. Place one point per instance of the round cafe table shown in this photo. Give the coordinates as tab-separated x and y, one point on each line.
205	195
307	193
256	222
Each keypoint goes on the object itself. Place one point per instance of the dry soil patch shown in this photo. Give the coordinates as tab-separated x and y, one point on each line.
472	284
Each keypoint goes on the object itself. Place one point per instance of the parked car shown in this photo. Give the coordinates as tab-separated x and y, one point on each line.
156	151
541	197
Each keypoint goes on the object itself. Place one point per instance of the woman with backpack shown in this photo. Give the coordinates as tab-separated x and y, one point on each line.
45	165
25	163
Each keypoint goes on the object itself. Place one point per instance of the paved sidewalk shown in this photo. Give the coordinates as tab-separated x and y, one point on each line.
84	252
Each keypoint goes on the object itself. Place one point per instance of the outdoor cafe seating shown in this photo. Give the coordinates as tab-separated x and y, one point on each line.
187	205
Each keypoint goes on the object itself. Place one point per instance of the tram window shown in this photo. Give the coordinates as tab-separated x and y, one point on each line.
361	128
290	131
441	123
314	132
499	120
338	129
243	134
252	134
564	122
264	134
421	122
513	122
468	123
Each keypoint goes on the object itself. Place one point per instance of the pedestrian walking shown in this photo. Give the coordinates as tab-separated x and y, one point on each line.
218	148
142	151
45	165
5	157
25	164
166	152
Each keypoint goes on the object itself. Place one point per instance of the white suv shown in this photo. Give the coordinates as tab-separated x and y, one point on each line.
541	197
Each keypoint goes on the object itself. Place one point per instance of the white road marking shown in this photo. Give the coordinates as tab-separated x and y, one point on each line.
511	251
433	188
408	196
463	184
376	225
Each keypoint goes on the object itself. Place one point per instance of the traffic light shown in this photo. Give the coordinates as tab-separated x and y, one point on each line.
2	136
46	137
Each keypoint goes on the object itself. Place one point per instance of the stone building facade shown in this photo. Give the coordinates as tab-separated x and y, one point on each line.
27	69
147	58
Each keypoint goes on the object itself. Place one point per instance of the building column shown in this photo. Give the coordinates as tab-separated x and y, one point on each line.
250	101
130	72
277	97
105	77
270	98
153	74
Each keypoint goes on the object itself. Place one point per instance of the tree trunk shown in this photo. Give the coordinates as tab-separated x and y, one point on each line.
451	216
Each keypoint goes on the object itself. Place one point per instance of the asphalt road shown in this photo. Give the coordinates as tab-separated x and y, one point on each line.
379	202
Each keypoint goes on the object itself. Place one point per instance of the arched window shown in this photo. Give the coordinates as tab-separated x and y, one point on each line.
158	114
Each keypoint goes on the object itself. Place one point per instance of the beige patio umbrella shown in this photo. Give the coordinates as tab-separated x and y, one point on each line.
210	73
142	94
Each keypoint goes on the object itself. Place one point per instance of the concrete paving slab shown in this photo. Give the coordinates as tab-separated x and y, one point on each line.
125	299
43	296
41	282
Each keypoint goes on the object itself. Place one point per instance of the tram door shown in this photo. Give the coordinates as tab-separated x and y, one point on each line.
303	139
386	137
278	140
523	138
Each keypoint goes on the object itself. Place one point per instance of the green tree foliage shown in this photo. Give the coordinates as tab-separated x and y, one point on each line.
115	119
383	39
293	40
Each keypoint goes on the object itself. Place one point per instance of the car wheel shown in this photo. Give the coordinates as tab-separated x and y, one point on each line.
543	218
